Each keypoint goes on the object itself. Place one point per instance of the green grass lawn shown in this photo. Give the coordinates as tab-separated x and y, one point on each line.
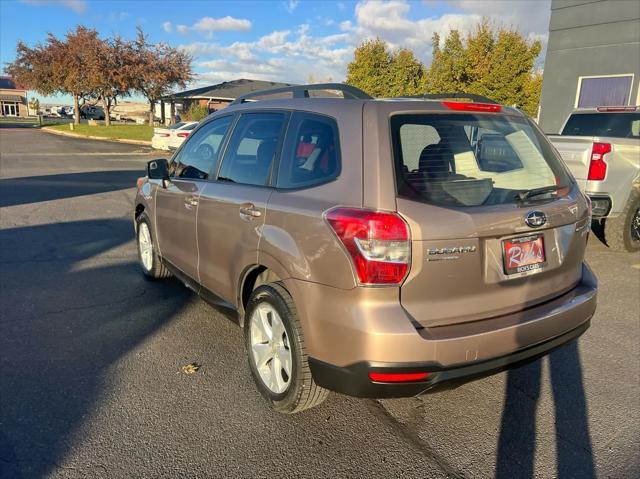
121	132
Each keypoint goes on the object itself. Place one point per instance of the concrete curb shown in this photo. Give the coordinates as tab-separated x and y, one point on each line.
101	138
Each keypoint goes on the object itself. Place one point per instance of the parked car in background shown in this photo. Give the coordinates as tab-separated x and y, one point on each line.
177	136
92	112
371	247
601	147
161	136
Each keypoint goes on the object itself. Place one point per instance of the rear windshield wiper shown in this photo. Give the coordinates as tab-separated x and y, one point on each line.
224	178
525	195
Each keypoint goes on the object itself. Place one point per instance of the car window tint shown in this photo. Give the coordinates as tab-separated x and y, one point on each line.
198	156
312	152
252	148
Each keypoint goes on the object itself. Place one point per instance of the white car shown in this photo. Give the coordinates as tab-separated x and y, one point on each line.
179	135
161	136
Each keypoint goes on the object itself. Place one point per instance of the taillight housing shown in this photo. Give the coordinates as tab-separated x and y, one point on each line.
597	165
183	134
378	243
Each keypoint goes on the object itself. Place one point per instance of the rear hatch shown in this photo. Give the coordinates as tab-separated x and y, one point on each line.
497	223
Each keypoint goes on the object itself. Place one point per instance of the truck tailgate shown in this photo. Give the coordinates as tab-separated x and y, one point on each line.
576	153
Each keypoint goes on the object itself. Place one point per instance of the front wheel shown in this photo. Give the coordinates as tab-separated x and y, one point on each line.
150	262
277	354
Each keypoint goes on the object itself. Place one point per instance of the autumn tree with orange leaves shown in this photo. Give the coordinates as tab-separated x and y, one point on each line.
94	70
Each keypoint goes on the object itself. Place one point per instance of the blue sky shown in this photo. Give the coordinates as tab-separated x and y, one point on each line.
280	40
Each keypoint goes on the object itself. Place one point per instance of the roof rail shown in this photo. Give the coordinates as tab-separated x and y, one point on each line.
444	96
302	91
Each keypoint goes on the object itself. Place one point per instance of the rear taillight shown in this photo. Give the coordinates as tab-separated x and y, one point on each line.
183	134
378	243
597	165
460	106
163	135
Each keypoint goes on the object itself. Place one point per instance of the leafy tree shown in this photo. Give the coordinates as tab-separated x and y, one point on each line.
383	73
495	62
159	69
75	58
113	73
34	105
196	112
35	68
407	74
370	68
449	66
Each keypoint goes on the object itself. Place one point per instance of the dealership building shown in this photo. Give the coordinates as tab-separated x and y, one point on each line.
13	98
593	58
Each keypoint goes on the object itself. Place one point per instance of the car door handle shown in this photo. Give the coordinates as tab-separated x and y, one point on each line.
248	209
191	201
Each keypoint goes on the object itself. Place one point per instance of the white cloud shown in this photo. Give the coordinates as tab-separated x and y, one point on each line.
182	29
292	55
166	26
78	6
208	24
529	16
291	5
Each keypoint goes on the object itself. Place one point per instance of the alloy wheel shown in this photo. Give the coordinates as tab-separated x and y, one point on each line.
145	245
270	348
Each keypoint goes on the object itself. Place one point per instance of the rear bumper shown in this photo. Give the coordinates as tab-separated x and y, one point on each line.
345	348
353	380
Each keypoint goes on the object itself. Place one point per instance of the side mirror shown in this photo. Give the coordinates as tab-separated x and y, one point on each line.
158	169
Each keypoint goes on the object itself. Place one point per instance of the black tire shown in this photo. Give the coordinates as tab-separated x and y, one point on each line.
618	231
302	392
157	270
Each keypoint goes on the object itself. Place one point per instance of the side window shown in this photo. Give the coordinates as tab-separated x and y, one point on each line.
252	148
311	154
197	158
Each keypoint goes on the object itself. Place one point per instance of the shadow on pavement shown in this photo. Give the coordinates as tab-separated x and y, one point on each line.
34	189
517	443
67	320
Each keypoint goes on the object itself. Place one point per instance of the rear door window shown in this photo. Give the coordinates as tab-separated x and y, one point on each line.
252	148
467	159
311	154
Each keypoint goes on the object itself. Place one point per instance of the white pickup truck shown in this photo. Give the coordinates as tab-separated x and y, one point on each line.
601	147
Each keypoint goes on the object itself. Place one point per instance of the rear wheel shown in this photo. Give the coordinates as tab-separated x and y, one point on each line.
277	354
150	262
623	233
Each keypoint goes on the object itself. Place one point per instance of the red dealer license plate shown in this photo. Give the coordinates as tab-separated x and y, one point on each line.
524	254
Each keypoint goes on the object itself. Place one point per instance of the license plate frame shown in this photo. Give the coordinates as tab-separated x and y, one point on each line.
524	254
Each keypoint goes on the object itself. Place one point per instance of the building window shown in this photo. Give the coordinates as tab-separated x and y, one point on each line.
10	109
604	91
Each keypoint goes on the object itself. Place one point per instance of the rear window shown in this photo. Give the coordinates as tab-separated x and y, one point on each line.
470	159
614	125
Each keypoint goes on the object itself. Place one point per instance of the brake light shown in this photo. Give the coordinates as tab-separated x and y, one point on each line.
398	377
163	135
597	165
378	243
616	108
460	106
183	134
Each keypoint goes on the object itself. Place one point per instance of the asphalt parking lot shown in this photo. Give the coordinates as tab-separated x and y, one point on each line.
91	354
